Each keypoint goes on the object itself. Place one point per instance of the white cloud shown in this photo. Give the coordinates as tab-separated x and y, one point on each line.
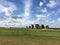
45	19
2	8
6	6
49	14
14	20
19	23
44	10
40	19
52	4
1	17
54	23
11	15
7	12
41	4
58	11
27	7
58	19
40	16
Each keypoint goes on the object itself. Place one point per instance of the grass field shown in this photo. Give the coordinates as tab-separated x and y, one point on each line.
16	36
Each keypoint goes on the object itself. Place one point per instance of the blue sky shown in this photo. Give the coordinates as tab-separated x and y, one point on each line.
22	13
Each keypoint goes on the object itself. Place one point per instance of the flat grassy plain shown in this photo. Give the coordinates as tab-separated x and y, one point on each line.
16	36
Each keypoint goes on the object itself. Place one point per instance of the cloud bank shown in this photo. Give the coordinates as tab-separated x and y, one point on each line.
27	7
11	19
44	15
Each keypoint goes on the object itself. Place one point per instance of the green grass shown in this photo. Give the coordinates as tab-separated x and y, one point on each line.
29	32
16	36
